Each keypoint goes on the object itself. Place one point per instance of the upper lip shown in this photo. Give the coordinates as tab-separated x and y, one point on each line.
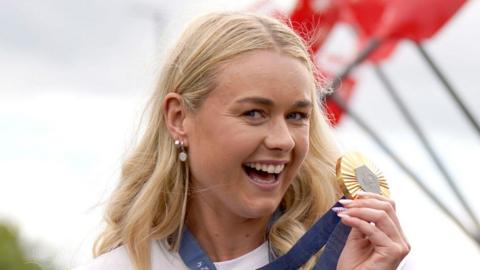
272	162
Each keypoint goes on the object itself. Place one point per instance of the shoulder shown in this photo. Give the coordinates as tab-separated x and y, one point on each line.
114	259
118	259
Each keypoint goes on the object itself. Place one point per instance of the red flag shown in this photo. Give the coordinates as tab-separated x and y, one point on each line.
392	20
364	16
415	20
313	20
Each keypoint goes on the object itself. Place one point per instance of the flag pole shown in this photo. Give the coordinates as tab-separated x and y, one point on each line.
373	44
389	152
471	119
425	142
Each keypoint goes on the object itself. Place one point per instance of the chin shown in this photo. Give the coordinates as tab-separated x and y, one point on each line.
261	207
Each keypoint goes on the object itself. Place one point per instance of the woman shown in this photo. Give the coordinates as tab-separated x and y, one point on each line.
235	135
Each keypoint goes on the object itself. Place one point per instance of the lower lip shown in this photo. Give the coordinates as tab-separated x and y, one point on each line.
266	186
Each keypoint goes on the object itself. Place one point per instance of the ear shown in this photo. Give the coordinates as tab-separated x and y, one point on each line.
174	115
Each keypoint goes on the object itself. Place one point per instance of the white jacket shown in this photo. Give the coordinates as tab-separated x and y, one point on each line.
161	259
118	259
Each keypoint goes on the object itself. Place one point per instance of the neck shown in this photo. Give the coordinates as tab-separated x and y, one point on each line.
221	234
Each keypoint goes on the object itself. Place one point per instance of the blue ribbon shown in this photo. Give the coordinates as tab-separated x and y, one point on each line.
327	231
192	254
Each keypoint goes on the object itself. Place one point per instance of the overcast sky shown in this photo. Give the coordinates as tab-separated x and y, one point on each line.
75	76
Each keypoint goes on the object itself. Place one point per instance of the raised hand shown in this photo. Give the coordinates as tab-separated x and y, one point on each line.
376	240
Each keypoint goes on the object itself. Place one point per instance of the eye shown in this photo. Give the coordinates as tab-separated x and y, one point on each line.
298	116
254	114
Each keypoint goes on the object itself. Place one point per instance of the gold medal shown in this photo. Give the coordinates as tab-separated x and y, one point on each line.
355	173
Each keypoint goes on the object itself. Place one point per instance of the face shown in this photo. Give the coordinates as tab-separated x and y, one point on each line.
249	137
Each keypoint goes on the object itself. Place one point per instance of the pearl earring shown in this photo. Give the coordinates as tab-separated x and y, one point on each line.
182	156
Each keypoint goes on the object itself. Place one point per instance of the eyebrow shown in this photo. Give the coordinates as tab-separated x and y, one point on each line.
303	104
268	102
256	100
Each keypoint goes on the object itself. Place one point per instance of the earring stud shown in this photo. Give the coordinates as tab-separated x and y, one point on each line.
182	156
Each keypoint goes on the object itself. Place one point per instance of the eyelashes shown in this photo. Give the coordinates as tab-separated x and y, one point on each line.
254	114
298	116
257	114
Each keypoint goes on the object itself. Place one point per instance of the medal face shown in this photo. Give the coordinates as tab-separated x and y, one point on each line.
355	173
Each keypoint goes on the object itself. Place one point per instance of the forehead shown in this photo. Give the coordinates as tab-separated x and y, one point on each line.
265	73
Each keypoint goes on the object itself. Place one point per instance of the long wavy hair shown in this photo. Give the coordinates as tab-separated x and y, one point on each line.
149	202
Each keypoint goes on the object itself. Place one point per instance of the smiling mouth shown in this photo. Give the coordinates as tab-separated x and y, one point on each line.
263	175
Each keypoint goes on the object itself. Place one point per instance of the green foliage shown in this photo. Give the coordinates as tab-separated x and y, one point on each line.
11	254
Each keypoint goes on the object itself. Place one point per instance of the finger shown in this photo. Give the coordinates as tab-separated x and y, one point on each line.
362	229
366	195
380	218
377	237
373	203
388	205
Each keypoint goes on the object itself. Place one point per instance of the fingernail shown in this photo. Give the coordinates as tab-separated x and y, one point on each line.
345	201
339	209
342	214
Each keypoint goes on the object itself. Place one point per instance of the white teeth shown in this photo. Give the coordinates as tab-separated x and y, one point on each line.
265	168
279	168
270	168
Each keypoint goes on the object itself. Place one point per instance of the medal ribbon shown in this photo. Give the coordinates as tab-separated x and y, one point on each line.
327	231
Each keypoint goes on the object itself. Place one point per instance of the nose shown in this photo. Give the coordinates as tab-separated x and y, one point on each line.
279	136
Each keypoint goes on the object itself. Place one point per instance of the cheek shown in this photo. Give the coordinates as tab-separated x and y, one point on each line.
218	149
302	143
202	151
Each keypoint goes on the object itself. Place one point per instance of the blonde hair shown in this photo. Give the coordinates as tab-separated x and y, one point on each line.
149	202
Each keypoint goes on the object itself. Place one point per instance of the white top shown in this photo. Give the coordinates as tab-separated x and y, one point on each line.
162	258
252	260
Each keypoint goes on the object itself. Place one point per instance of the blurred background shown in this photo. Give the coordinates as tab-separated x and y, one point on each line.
75	76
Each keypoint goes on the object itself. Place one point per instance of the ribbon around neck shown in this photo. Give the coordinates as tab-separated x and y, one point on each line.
327	231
